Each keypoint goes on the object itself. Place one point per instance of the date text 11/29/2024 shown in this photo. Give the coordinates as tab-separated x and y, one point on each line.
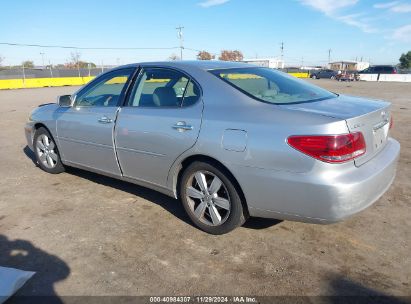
203	299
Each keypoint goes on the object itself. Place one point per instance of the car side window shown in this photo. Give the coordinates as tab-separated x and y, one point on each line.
378	69
105	91
192	94
161	87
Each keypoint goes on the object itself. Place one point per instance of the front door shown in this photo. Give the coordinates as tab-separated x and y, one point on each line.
85	130
161	120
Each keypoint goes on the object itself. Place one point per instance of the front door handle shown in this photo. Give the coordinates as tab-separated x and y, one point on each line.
105	120
181	126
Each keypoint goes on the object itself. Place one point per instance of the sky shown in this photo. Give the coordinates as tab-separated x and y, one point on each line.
376	31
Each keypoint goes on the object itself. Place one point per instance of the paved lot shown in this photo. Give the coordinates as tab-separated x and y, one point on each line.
90	235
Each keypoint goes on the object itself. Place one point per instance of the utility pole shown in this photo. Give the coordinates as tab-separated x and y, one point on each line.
180	36
51	69
282	51
329	55
24	76
78	67
42	58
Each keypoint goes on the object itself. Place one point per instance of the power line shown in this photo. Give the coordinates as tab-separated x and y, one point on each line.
88	48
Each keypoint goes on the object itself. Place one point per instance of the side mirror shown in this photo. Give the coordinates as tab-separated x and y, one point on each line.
64	101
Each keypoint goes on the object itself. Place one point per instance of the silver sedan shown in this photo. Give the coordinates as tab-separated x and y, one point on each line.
229	140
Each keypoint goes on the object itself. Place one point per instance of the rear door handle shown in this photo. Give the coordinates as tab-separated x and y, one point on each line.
105	120
181	126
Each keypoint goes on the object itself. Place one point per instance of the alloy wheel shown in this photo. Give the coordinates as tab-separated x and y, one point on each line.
208	198
46	151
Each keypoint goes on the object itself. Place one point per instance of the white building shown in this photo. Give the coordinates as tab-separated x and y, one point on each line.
273	63
348	65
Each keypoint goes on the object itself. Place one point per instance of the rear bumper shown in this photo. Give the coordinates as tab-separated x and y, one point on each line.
321	197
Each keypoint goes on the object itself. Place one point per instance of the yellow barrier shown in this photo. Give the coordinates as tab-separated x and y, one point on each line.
6	84
42	82
300	75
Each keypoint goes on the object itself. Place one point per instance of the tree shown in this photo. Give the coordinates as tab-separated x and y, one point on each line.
74	62
405	60
204	55
227	55
174	57
28	64
75	57
84	64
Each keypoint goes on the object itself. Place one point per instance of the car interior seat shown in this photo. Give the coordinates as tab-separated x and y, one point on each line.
165	97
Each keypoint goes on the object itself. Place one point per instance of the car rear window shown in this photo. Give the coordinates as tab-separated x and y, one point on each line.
272	86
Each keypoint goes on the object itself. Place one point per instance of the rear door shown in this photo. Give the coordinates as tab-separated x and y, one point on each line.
85	131
160	121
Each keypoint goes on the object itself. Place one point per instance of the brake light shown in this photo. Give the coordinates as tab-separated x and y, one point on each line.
391	122
330	148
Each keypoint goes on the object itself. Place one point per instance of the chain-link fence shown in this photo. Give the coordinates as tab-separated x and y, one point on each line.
20	73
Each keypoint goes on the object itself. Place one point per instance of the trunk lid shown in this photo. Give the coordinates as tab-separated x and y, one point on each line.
370	117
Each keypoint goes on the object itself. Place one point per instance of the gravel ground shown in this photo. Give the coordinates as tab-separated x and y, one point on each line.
85	234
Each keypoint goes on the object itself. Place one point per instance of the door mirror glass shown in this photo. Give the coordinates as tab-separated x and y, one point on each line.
64	101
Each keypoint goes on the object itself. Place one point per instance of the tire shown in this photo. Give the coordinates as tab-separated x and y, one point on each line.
213	211
332	77
47	154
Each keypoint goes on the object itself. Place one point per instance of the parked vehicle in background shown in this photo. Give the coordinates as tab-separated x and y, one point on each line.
380	69
346	76
229	140
330	74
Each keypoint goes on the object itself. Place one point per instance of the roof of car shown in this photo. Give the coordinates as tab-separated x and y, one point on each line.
382	65
200	64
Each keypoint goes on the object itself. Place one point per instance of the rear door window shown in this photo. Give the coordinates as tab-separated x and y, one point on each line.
162	87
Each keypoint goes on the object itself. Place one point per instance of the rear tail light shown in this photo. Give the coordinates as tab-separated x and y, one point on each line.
330	148
391	122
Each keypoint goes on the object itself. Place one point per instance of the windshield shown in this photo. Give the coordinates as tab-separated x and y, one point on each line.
272	86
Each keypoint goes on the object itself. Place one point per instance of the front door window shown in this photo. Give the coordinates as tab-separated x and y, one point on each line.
105	92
